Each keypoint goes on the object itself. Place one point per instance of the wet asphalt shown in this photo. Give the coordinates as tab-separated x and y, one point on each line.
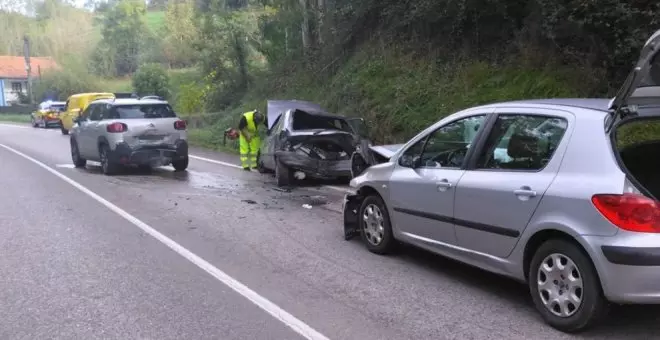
70	268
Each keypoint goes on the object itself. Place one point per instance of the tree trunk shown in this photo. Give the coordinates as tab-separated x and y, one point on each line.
304	26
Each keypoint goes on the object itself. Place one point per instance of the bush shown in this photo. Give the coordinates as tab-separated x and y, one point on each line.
151	79
60	85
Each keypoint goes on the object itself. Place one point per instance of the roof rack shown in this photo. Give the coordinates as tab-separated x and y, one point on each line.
152	97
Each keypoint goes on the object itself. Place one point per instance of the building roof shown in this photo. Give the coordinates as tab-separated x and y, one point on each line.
14	66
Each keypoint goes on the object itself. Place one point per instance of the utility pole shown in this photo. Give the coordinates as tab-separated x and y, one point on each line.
28	67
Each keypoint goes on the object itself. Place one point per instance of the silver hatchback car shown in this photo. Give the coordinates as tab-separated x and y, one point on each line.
124	132
535	190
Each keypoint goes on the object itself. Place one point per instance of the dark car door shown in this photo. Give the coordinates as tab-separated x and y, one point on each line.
271	143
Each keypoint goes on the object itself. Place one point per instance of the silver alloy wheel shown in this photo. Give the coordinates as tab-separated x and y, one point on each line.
373	224
560	285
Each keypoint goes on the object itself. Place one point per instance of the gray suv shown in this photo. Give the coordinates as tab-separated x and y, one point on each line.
124	132
542	191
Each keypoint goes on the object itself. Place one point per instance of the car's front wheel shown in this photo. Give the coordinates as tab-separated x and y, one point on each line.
78	161
375	226
63	130
565	287
34	122
107	165
181	164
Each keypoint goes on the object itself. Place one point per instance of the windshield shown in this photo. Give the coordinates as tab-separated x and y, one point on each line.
140	111
57	107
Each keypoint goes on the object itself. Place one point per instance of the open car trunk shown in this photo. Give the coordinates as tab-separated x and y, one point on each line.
638	144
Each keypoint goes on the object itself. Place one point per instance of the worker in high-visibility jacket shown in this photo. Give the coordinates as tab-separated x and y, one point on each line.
249	138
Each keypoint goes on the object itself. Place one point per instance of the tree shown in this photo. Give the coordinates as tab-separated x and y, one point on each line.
123	31
151	79
180	33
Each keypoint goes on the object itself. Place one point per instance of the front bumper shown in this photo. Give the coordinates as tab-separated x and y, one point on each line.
162	154
52	121
319	168
350	208
629	266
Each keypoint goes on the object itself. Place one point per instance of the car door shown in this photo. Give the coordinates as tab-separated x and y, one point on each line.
422	184
271	141
85	145
503	185
93	129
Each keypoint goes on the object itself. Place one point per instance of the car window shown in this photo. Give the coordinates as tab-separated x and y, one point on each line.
522	142
96	113
409	156
86	114
140	111
447	146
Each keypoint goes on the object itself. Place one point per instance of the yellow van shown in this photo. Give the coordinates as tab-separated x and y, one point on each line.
76	104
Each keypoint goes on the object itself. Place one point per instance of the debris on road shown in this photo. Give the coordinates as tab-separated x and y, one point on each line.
282	189
307	206
249	201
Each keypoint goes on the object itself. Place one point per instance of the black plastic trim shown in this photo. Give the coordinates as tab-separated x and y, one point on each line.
629	256
463	223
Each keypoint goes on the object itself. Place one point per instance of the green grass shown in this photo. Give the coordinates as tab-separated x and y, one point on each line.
15	118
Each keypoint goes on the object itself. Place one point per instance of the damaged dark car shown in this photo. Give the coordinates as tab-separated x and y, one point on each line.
306	141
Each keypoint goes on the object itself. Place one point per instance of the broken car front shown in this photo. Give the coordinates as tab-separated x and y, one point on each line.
304	140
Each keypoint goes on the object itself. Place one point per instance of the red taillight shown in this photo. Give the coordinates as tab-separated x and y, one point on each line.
631	212
180	125
117	127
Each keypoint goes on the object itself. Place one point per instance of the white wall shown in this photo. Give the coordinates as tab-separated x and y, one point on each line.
10	95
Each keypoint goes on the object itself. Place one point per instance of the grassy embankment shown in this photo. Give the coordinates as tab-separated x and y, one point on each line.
14	117
399	94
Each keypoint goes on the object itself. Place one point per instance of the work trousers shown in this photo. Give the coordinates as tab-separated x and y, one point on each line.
249	151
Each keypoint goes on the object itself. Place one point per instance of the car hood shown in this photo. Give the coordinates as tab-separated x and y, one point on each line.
274	108
386	151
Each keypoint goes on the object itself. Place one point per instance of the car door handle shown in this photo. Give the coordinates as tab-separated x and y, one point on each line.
444	185
525	191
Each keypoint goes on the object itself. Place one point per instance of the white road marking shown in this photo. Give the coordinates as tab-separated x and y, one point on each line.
280	314
231	165
215	162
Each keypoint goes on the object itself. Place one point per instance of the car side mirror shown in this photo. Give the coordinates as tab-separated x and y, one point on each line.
407	161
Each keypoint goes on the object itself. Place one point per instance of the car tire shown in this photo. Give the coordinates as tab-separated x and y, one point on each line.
592	303
108	167
64	131
78	161
180	165
34	123
283	174
376	231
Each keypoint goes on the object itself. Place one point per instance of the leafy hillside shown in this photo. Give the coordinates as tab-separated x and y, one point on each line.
399	64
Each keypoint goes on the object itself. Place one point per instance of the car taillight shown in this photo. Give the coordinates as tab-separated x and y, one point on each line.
630	212
117	127
180	125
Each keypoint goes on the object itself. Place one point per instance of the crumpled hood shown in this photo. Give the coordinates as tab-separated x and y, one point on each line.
386	151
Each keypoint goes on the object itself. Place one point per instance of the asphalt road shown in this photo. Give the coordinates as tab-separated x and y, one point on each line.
218	253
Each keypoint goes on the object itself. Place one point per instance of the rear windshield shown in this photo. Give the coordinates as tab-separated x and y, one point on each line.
57	107
306	121
141	111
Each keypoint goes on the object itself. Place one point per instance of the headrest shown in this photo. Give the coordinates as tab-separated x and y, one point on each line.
522	145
